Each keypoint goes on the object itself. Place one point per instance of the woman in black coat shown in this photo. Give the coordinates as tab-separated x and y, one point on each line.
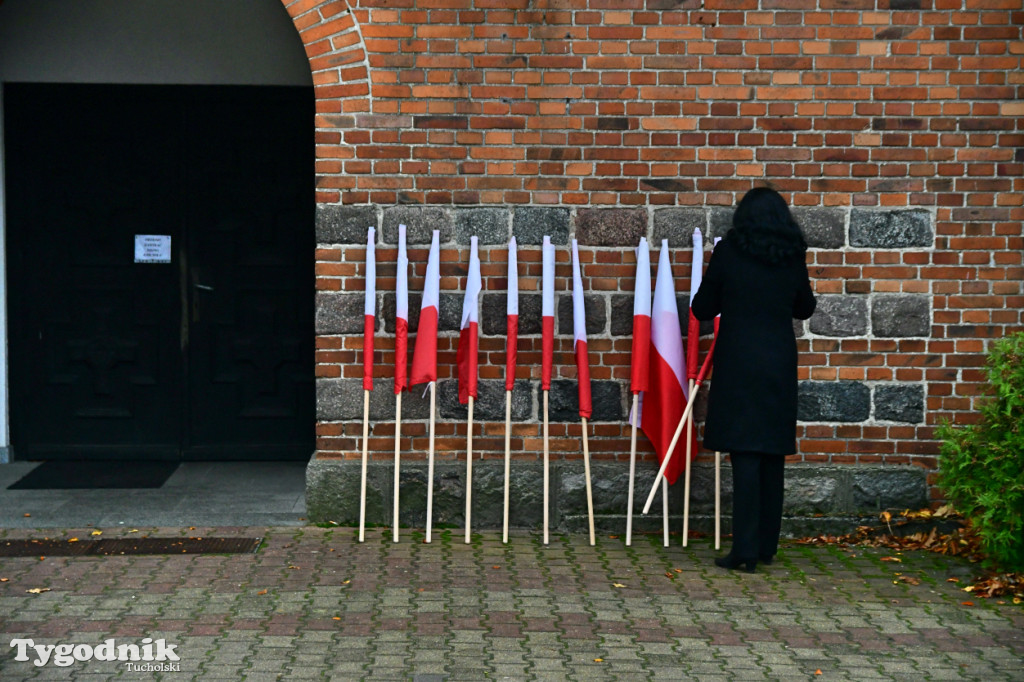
757	280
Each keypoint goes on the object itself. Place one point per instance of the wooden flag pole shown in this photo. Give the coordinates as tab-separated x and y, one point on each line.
508	458
664	511
546	467
398	451
632	473
430	462
718	499
686	476
469	470
586	467
362	481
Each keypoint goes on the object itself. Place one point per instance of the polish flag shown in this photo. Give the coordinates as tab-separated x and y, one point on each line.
579	336
641	319
401	315
693	324
368	311
424	355
547	311
466	356
512	318
665	400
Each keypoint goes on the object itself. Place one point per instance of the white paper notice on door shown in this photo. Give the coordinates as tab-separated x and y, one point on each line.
152	248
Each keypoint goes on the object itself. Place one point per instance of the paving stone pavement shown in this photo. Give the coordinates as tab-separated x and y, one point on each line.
314	603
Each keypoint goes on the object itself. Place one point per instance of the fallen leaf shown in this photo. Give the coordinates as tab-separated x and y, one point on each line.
967	603
910	580
262	592
892	558
617	585
336	618
96	532
952	580
818	671
27	515
345	582
669	575
614	537
4	580
496	568
678	570
598	660
38	590
73	540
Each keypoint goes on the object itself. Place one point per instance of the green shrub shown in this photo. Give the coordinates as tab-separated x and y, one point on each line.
982	466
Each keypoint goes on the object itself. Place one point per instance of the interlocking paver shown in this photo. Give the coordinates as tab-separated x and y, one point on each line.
315	604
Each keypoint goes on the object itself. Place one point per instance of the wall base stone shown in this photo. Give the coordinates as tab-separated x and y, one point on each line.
819	498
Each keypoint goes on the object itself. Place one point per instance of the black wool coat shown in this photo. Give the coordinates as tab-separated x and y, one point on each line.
752	401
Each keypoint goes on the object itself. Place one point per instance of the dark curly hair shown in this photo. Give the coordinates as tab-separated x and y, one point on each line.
764	229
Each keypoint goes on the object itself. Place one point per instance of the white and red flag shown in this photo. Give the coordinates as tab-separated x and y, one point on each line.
401	315
368	311
469	331
640	378
693	324
424	355
547	311
512	318
579	336
665	400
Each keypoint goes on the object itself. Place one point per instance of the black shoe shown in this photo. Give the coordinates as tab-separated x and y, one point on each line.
732	563
766	559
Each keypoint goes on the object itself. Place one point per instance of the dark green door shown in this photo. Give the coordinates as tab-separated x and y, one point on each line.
208	355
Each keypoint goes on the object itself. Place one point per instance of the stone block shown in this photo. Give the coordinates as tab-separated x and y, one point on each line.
899	403
593	306
901	315
606	397
490	403
449	317
833	401
811	491
622	314
493	316
419	221
489	225
891	229
611	226
341	313
531	223
677	226
339	224
890	487
342	399
719	222
823	228
839	315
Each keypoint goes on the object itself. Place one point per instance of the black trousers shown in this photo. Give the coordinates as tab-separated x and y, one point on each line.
758	481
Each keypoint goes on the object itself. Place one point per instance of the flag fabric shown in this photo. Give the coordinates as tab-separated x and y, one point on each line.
401	315
368	311
579	336
640	378
665	400
512	318
424	355
693	324
469	332
547	312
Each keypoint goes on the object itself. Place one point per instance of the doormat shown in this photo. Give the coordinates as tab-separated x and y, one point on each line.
88	474
128	546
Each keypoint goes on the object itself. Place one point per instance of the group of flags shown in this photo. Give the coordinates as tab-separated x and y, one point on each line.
661	366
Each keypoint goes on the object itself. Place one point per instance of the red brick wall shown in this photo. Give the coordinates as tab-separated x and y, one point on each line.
898	121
